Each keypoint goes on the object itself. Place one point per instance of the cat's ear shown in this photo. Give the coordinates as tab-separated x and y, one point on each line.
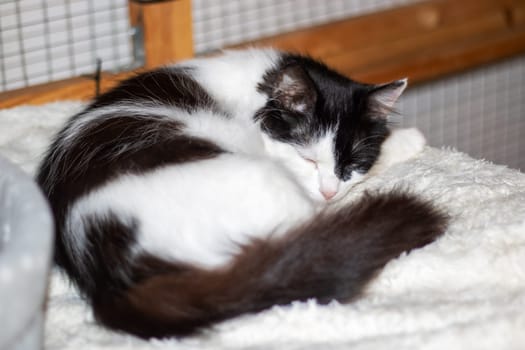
295	90
386	95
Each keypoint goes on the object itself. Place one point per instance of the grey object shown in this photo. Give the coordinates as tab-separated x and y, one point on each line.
26	234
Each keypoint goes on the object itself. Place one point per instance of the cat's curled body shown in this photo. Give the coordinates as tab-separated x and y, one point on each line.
196	192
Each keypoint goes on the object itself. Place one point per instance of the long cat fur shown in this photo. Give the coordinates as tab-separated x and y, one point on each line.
194	193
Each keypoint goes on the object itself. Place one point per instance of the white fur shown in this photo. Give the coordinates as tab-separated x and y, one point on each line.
200	212
324	151
401	145
232	78
177	217
304	172
234	135
124	108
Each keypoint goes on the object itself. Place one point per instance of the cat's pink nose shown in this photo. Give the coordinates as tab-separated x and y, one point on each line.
328	194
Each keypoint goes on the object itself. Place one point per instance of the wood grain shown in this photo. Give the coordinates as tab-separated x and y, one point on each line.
81	88
422	41
403	49
168	35
426	66
381	27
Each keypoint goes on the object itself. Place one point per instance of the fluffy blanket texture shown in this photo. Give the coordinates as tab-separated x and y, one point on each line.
465	291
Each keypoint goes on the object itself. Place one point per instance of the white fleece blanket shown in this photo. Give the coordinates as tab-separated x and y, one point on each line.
465	291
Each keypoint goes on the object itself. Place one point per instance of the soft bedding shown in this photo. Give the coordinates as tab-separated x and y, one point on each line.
465	291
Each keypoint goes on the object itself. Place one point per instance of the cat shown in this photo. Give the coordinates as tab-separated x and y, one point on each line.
197	192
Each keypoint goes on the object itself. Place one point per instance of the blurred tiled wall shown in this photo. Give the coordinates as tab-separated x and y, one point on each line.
481	112
217	23
47	40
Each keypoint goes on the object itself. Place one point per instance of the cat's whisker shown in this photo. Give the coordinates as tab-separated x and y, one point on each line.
367	139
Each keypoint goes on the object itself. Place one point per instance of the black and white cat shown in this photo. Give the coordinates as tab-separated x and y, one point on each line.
198	192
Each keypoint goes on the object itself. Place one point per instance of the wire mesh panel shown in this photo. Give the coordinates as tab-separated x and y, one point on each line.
45	40
217	23
481	112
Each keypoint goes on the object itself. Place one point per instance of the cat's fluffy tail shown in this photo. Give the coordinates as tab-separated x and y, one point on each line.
331	257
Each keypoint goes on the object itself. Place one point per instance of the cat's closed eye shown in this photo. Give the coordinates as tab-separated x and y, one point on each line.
308	155
311	161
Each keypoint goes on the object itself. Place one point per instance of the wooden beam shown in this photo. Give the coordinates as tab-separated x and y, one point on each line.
429	65
167	28
380	27
81	88
404	48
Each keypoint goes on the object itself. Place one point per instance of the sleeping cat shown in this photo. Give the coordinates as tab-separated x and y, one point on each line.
197	192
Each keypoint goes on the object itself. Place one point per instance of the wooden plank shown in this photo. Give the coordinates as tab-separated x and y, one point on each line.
167	25
421	41
426	66
369	30
81	88
516	13
135	9
404	48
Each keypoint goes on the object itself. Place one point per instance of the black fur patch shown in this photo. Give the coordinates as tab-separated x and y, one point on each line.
116	144
171	86
330	258
106	262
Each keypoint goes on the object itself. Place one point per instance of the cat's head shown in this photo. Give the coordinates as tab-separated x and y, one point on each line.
333	124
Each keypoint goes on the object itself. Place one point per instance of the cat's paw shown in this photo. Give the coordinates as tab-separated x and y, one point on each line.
401	145
405	143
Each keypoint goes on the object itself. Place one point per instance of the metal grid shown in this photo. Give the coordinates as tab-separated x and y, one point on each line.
481	112
45	40
217	23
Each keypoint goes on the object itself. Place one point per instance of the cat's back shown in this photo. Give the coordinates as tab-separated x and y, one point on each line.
233	77
221	92
209	97
168	151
